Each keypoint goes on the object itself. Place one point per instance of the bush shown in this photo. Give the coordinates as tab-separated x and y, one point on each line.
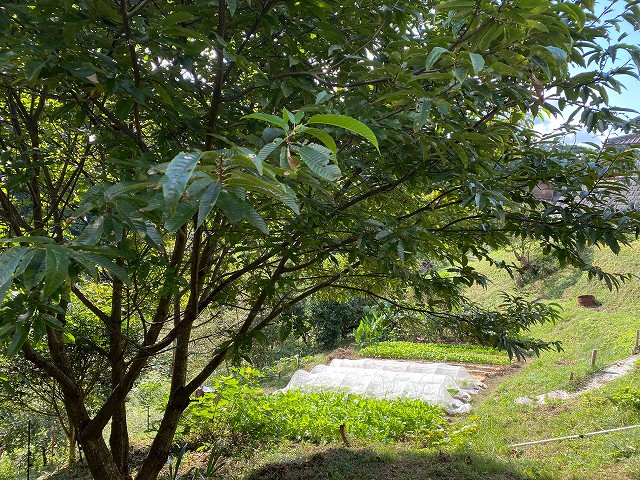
438	352
239	412
330	320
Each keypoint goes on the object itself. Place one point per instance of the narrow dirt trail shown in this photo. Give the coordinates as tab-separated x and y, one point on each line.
602	377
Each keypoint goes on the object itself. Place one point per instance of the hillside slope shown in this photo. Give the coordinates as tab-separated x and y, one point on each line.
610	329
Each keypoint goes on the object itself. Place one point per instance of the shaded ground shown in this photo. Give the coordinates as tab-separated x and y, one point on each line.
366	464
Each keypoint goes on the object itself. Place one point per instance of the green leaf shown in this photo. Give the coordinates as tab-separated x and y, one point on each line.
67	337
177	17
91	233
208	201
27	240
38	328
319	163
122	108
573	11
236	209
96	259
348	123
559	55
53	322
265	117
185	211
7	386
322	97
324	137
56	268
456	5
32	69
232	4
264	152
4	289
462	155
18	339
177	176
9	262
231	206
433	56
285	330
477	62
166	98
255	219
152	236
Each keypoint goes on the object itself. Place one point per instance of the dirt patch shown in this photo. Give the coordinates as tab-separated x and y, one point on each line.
343	352
484	372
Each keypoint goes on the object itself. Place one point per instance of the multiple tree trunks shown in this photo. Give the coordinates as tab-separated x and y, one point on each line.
171	169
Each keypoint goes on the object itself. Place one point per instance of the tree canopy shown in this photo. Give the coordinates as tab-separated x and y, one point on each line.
169	164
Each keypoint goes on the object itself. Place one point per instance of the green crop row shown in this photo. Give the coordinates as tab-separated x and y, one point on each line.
437	352
243	413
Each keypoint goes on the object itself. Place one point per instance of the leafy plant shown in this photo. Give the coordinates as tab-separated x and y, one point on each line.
173	465
436	352
242	413
375	326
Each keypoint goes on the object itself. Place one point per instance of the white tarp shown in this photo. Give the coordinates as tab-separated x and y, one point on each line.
440	384
460	374
370	384
392	376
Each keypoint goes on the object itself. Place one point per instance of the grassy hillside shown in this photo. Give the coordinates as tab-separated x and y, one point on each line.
609	328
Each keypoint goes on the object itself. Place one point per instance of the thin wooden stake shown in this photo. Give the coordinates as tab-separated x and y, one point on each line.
593	357
571	377
343	434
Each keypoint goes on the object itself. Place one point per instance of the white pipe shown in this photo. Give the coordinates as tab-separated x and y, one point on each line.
580	435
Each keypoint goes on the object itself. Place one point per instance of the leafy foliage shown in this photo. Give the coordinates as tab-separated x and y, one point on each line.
437	352
243	413
375	326
210	164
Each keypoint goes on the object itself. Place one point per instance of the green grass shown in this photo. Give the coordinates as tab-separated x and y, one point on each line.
370	462
437	352
610	329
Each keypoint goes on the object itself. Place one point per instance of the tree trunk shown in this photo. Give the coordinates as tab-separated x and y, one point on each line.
72	439
161	446
99	458
100	461
119	437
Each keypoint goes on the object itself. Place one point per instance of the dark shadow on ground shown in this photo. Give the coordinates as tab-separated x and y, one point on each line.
346	464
